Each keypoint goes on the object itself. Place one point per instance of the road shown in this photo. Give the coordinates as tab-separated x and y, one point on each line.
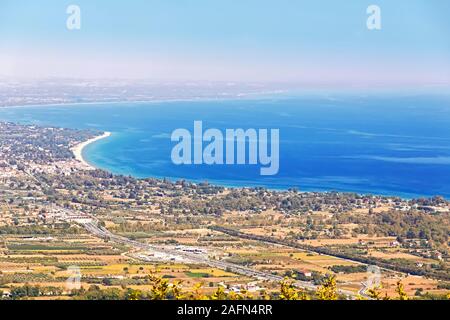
100	232
187	256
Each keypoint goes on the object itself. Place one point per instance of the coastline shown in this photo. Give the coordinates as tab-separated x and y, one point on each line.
77	150
249	96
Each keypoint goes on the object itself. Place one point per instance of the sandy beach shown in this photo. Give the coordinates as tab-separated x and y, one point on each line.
78	149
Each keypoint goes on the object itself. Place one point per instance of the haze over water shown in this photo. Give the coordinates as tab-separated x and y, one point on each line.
387	144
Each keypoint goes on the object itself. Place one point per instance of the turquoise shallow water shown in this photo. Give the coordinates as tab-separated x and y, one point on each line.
380	144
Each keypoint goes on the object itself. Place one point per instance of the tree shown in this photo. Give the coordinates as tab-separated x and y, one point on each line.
375	293
107	281
401	291
328	289
288	291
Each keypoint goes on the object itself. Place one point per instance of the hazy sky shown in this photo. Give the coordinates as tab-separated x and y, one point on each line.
320	42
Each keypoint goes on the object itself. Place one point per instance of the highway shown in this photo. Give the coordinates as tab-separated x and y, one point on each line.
187	256
198	258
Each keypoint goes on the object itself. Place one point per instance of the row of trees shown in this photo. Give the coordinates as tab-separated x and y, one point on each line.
34	291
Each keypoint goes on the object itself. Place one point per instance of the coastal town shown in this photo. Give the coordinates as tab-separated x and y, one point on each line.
59	214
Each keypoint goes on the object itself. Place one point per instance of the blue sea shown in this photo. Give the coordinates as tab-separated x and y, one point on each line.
378	144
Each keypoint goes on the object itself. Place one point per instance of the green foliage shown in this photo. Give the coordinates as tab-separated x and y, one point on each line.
401	291
288	291
197	274
328	289
34	291
348	269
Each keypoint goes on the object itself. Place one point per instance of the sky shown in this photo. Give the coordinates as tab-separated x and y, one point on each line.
320	42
